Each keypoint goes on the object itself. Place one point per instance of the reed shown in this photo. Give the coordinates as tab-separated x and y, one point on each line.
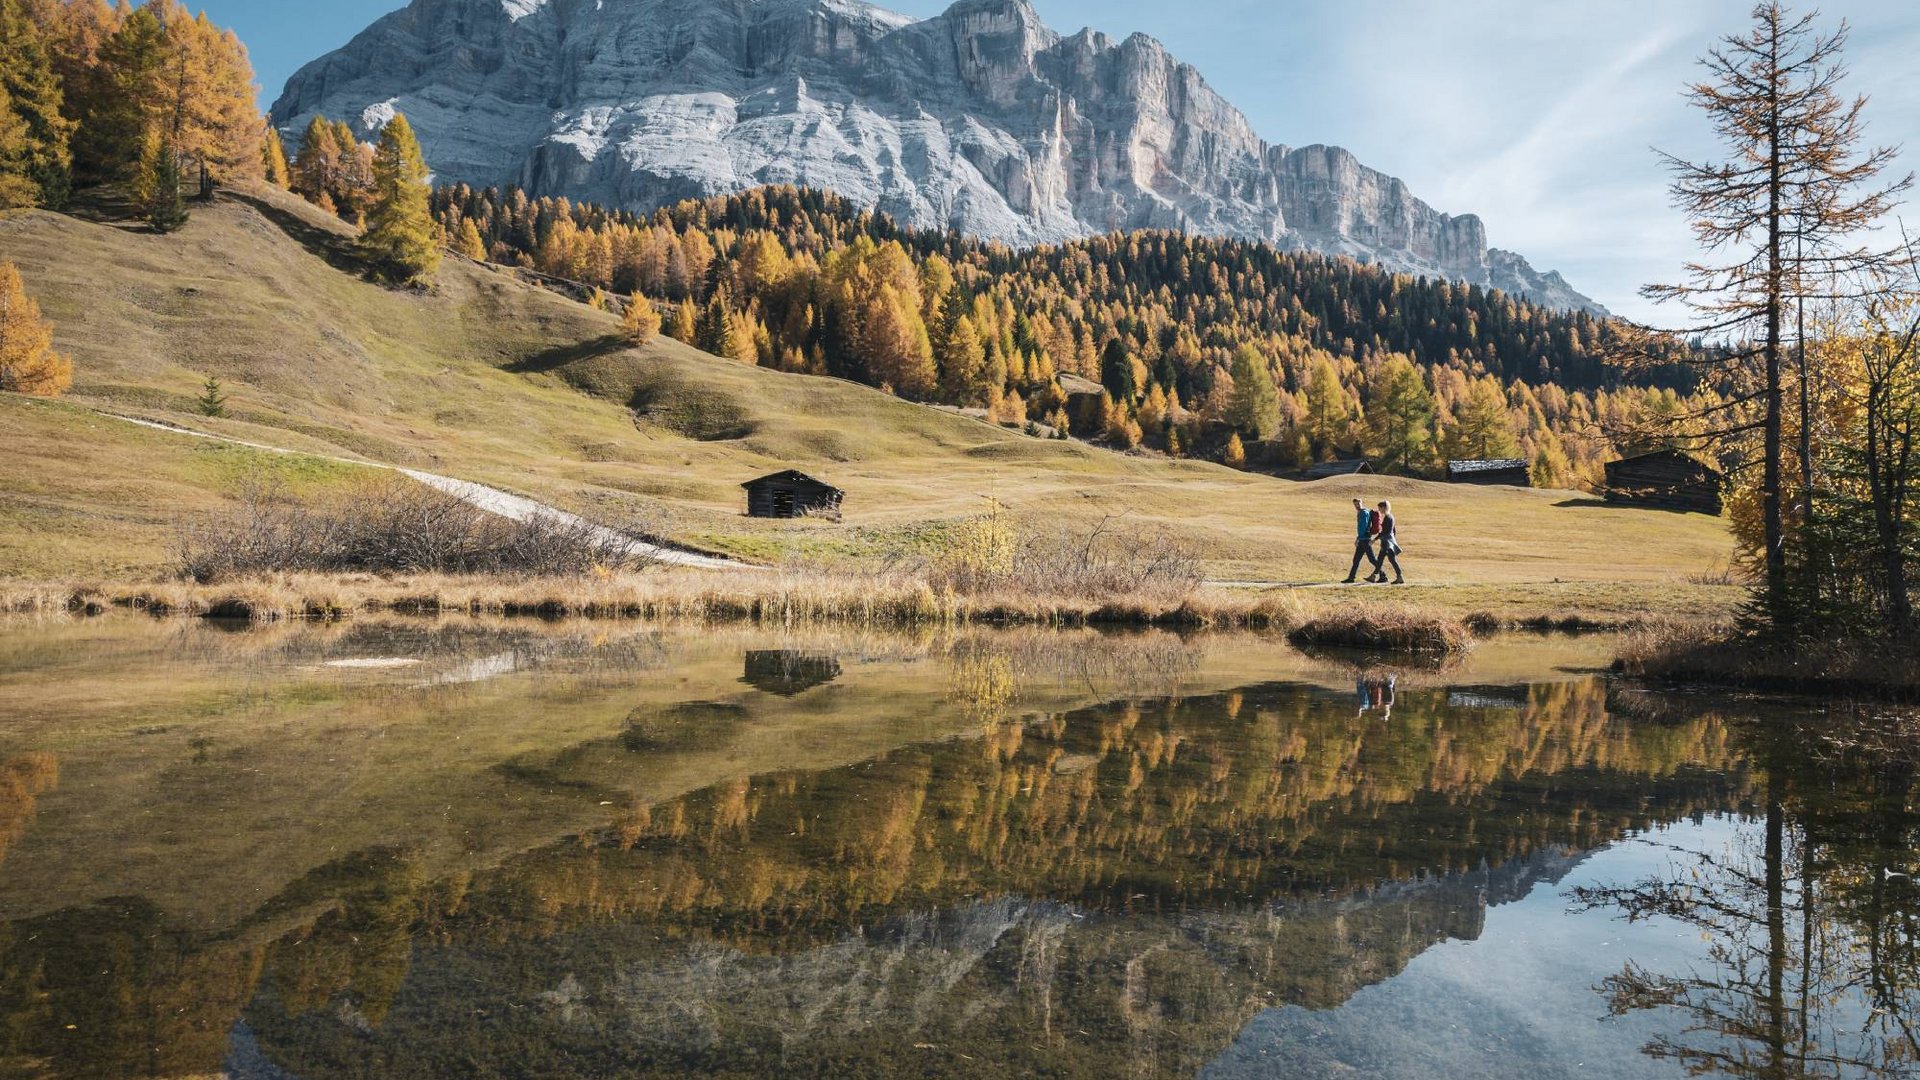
1395	629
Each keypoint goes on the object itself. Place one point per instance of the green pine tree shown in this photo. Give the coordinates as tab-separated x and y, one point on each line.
714	332
158	186
212	401
401	242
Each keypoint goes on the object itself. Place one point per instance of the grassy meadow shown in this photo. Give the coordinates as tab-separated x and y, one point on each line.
490	379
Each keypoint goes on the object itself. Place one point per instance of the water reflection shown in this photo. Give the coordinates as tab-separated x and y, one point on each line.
984	855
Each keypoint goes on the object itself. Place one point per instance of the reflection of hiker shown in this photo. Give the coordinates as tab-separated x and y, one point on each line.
1376	692
1366	524
1389	547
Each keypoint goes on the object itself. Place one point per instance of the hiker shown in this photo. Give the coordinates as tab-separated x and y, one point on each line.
1389	547
1365	525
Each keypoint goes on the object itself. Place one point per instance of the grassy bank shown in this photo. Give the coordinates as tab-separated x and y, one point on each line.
1718	656
753	595
490	380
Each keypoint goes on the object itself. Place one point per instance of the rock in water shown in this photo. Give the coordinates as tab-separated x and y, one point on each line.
981	119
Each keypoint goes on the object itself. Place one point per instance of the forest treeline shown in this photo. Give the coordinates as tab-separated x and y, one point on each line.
153	96
1201	344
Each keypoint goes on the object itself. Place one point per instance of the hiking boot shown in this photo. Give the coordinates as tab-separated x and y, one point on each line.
1346	581
1397	581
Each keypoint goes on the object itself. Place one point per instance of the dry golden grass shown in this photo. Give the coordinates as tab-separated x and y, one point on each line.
1396	629
760	596
498	382
1718	655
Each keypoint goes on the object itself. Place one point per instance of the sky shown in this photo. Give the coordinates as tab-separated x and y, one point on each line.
1541	116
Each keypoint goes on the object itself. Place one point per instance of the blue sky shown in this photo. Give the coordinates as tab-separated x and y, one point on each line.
1538	115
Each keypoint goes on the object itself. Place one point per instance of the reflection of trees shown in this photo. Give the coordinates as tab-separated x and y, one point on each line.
23	779
1812	926
1118	888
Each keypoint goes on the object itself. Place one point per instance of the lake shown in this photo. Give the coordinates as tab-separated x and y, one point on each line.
494	849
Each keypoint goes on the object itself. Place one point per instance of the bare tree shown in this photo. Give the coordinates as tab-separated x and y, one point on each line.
1778	221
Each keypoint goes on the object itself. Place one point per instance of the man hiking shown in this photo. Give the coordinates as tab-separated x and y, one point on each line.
1366	523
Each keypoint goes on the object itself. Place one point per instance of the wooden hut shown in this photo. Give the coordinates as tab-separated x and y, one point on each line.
1494	472
1086	403
1322	470
787	672
1666	479
790	494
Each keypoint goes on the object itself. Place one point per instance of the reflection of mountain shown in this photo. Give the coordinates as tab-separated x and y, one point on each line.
1109	890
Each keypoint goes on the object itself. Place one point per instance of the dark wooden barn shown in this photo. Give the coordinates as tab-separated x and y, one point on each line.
1322	470
790	494
1495	472
1666	479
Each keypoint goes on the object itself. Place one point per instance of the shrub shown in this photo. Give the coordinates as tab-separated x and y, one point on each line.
394	526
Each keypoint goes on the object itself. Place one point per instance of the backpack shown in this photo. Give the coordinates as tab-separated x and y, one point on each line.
1373	523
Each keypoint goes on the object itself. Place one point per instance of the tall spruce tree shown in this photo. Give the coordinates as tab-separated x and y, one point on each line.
401	242
159	186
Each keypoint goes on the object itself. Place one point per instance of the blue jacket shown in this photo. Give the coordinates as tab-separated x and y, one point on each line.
1360	530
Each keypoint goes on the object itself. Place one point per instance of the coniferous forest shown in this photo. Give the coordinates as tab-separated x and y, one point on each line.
1202	345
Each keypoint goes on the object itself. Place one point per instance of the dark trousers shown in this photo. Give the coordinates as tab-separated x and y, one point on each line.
1388	554
1363	549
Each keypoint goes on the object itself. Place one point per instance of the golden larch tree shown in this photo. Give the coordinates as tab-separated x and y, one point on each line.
641	322
28	364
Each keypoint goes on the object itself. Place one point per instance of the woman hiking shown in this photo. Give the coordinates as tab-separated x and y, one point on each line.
1389	547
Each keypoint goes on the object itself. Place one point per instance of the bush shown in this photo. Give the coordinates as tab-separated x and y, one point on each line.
994	552
394	526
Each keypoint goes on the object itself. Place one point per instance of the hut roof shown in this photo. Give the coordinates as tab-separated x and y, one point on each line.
789	476
1487	464
1670	453
1484	465
1320	470
1075	385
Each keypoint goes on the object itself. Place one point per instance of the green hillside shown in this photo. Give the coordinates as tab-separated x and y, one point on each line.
491	379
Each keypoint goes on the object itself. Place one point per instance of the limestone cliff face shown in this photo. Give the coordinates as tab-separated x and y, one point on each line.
981	119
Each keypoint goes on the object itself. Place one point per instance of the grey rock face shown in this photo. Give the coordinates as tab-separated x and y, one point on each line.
981	119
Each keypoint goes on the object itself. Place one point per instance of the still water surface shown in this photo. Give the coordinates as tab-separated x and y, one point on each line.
500	850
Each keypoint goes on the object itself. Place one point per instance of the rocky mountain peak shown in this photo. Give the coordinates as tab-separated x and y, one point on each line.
980	119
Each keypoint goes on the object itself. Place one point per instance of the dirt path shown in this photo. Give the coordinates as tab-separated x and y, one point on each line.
492	500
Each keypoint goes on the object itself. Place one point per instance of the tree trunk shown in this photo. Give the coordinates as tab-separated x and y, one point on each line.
1776	288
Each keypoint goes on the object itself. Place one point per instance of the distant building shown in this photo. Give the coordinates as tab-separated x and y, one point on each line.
1495	472
790	494
1086	402
787	672
1321	470
1666	479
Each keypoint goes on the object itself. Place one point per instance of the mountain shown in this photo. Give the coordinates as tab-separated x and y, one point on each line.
980	119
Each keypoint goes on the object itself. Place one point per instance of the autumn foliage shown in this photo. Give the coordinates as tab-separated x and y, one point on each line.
28	364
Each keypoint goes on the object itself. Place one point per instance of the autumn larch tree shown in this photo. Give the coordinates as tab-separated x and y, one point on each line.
1773	219
28	364
1399	417
1482	428
316	166
1254	408
274	159
38	151
641	322
401	241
